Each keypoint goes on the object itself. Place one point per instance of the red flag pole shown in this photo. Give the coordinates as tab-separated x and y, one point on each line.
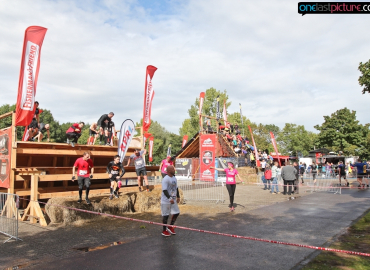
255	148
275	146
28	75
201	100
148	97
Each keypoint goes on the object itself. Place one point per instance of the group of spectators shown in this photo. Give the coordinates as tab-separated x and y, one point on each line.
293	173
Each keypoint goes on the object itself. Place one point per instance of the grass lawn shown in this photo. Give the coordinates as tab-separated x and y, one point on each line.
356	239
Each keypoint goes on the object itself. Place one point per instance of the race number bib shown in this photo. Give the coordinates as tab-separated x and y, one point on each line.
114	172
230	179
139	162
83	172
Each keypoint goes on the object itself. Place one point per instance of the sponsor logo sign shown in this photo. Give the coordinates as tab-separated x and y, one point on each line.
125	137
207	156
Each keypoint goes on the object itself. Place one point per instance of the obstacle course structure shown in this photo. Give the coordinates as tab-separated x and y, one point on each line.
43	170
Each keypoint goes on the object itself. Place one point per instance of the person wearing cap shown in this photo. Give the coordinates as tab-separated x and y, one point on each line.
103	123
164	164
231	173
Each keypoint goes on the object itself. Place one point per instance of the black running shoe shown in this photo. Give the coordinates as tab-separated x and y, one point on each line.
347	184
140	189
79	200
111	197
88	201
115	195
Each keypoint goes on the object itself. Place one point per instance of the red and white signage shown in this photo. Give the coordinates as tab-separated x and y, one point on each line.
275	146
151	143
255	148
207	156
125	136
5	155
146	136
29	72
184	141
148	97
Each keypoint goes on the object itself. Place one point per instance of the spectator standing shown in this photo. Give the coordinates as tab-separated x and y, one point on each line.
288	173
274	174
268	177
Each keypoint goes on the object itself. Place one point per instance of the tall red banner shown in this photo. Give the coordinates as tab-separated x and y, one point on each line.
275	146
255	148
146	136
207	156
5	155
184	141
151	143
148	97
29	72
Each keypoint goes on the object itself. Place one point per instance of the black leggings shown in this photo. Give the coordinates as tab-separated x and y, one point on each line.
231	190
73	136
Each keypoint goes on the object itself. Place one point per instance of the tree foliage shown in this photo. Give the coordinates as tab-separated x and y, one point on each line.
295	139
190	126
162	139
364	79
342	132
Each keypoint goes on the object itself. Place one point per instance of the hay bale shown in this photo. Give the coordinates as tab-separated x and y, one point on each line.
100	204
148	201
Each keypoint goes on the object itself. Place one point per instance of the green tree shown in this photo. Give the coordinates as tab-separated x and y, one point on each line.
342	132
162	139
190	126
364	79
295	138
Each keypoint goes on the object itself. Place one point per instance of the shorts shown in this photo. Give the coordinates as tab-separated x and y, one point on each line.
170	209
114	179
83	181
141	171
92	132
361	175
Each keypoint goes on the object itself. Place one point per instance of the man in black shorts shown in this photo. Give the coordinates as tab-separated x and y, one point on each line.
113	169
85	170
103	124
139	167
42	127
33	129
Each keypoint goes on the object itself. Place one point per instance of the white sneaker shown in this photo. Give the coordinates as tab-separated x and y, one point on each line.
67	141
72	144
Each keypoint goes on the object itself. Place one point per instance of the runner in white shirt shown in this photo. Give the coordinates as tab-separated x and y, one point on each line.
169	200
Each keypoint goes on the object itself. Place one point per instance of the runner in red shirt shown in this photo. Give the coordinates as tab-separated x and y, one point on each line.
85	170
74	132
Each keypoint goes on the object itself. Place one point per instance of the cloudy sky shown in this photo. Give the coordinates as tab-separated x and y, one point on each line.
281	66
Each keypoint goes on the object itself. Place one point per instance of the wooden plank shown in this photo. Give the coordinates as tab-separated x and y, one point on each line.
95	192
55	152
64	177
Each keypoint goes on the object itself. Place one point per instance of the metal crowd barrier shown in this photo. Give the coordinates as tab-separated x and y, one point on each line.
9	204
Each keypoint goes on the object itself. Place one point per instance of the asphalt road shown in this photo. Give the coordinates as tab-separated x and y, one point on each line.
312	220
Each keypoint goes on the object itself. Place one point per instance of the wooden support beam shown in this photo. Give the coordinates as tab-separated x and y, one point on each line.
33	210
6	115
67	177
64	152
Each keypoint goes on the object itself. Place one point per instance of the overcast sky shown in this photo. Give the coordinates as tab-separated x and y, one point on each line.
282	67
